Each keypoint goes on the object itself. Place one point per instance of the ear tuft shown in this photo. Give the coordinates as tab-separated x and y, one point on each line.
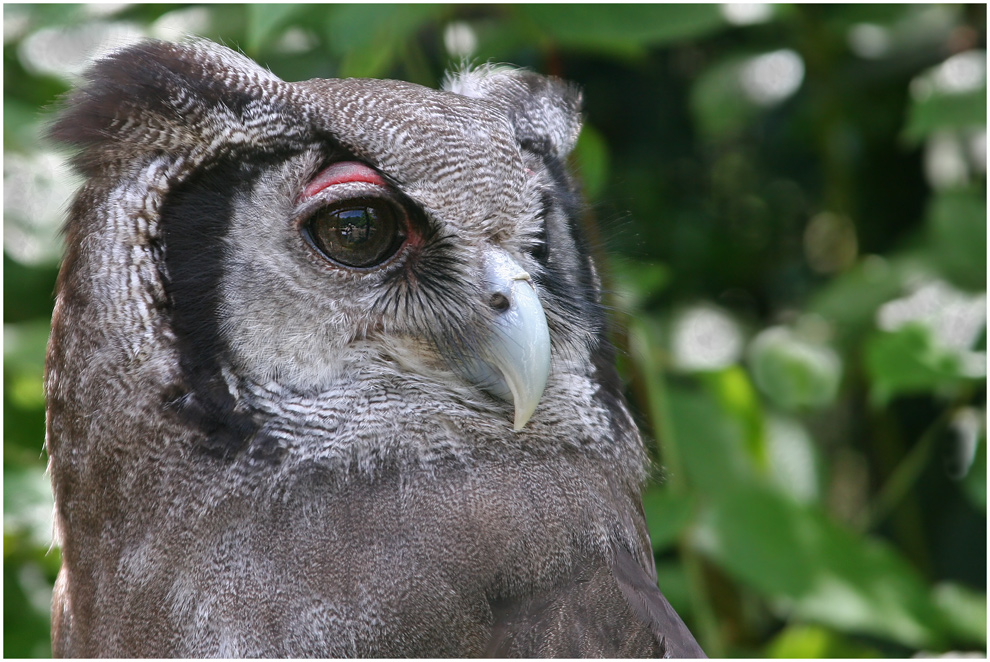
163	97
545	112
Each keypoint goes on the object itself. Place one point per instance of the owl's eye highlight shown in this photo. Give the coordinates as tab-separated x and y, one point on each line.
360	233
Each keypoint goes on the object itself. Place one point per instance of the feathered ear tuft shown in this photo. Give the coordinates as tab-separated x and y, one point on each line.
544	111
158	96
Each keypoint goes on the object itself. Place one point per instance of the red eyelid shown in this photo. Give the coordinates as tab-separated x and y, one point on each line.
344	172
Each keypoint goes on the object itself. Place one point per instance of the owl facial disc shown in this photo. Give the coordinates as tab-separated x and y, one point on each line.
515	361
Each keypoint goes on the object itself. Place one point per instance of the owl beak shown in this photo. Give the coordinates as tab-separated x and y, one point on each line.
515	362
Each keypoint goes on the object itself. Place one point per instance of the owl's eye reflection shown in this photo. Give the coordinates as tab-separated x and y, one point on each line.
357	233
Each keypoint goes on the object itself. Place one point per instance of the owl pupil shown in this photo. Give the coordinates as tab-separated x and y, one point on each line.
361	235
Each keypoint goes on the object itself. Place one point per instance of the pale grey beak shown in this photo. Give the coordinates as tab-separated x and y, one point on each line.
514	362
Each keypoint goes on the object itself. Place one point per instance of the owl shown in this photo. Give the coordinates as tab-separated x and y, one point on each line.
328	374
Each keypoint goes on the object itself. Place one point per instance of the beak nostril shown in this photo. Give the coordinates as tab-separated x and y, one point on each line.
499	302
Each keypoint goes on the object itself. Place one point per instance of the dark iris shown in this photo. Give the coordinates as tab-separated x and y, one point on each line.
361	233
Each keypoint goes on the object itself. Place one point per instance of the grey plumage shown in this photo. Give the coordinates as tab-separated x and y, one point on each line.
258	450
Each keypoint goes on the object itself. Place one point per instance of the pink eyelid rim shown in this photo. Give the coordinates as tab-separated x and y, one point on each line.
344	172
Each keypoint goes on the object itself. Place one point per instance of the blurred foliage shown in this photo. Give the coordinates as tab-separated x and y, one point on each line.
791	201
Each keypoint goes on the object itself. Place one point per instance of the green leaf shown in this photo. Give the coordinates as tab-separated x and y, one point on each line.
591	154
737	398
28	291
355	26
370	37
794	373
369	63
26	593
24	347
793	459
636	281
265	22
908	361
801	641
644	279
28	504
815	570
841	17
718	106
974	484
673	581
667	515
965	613
21	124
850	301
957	224
711	444
623	28
940	111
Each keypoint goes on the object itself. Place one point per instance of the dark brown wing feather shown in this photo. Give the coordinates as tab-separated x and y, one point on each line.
651	607
603	610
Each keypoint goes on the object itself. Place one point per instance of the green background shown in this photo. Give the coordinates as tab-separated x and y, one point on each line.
789	204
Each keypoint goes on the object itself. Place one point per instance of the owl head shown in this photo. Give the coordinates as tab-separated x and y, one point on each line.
249	242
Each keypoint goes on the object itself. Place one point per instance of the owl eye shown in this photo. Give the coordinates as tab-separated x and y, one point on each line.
359	233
